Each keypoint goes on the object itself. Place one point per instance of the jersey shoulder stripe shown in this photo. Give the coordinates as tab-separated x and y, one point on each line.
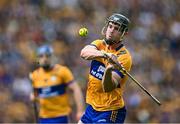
119	73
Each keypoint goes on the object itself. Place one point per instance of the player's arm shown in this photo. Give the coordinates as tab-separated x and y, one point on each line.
33	98
78	98
33	92
90	52
72	85
111	79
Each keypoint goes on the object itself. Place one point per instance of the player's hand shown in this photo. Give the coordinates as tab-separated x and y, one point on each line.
32	97
110	57
79	115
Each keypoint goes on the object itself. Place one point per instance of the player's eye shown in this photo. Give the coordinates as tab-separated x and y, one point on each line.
110	26
116	28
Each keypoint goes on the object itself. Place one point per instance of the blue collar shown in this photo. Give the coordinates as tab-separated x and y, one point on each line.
119	47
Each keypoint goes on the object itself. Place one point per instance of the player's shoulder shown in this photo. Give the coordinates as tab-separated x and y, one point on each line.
60	67
123	51
34	73
125	57
98	43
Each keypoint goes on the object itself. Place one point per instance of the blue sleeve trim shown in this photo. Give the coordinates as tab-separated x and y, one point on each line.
119	73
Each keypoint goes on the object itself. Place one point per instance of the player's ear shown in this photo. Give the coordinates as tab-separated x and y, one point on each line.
103	31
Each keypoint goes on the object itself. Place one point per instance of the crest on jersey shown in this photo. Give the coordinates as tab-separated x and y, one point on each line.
122	52
53	78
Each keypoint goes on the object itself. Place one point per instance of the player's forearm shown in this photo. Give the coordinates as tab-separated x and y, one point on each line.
89	53
107	81
79	99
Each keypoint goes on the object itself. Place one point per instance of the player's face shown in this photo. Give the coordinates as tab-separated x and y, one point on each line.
112	32
44	60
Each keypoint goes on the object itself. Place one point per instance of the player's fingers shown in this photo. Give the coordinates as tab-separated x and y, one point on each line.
113	59
110	57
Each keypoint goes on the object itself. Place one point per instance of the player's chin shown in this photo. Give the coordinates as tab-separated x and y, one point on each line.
109	38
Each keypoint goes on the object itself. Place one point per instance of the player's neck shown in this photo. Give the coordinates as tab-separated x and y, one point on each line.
114	46
51	67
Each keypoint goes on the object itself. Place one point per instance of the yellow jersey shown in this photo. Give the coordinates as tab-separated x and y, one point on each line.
50	87
96	97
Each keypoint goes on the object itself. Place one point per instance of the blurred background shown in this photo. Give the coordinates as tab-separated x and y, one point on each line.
153	40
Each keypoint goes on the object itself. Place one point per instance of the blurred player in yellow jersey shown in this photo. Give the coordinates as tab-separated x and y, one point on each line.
105	87
50	83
